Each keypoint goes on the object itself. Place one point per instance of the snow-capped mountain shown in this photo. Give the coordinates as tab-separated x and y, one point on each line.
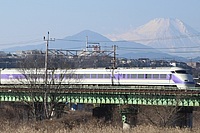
168	35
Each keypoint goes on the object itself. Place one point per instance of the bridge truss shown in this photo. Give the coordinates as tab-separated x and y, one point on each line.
139	95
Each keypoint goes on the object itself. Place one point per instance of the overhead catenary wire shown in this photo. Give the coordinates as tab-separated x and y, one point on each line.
101	41
126	41
120	42
23	42
145	39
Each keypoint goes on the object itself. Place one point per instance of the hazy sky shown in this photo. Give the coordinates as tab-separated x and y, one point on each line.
26	21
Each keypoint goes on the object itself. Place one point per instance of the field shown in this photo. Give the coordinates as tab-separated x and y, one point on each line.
12	121
81	122
89	127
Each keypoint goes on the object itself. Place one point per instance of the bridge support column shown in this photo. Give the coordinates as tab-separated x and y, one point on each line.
124	114
39	110
59	110
184	117
104	111
129	116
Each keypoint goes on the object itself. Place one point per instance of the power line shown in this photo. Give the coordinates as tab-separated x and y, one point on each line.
71	40
128	48
124	41
150	48
102	41
167	38
22	42
135	40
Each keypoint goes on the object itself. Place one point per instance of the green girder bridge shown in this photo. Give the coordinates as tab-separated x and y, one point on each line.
140	95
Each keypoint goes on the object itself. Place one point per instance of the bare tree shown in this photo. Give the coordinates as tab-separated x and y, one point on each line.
162	116
33	76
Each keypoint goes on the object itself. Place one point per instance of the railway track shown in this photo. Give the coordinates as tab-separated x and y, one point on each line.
145	90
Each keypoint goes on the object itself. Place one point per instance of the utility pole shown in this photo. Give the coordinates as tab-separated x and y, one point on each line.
46	74
114	57
46	56
113	64
86	49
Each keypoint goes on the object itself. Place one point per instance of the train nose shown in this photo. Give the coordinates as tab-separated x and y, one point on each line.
189	81
188	78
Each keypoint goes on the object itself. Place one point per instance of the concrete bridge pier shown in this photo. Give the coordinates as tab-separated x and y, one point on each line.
39	110
104	111
184	117
123	114
129	116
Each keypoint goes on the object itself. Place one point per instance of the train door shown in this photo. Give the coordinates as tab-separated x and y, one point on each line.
115	77
170	78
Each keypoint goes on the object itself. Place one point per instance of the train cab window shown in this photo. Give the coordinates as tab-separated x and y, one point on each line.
140	76
163	76
133	76
181	71
155	76
172	72
100	76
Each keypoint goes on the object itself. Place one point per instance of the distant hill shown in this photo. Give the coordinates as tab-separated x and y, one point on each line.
78	42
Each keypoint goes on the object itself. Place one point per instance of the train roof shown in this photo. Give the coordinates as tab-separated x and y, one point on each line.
136	68
119	68
98	70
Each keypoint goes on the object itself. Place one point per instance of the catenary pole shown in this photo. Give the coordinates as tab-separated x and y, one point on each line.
46	74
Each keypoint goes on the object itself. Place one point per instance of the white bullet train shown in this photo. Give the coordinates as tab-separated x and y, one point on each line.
147	76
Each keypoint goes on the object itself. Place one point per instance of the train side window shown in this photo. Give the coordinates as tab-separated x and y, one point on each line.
93	76
140	76
133	76
68	76
87	76
107	76
128	76
155	76
124	76
148	76
100	76
40	76
163	76
74	76
80	76
65	76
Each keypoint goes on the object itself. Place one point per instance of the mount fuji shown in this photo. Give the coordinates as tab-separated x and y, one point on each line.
168	35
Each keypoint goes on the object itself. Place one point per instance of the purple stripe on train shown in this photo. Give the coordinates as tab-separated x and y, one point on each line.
117	76
176	79
12	76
